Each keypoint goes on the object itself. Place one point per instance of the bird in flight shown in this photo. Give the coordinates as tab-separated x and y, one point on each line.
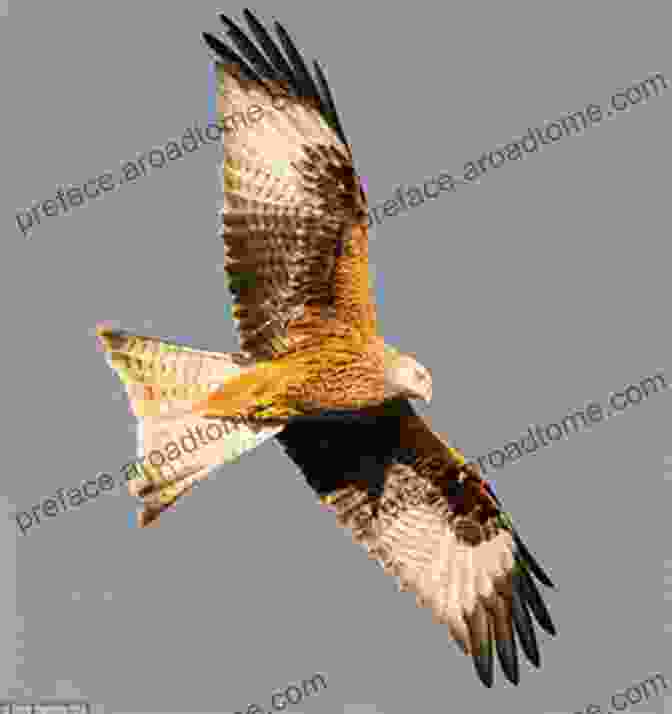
314	373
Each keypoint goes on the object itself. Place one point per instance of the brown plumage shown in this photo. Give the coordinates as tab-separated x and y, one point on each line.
297	260
405	494
164	382
295	236
429	519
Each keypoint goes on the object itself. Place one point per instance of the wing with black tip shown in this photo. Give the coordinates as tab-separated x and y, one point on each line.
294	212
430	520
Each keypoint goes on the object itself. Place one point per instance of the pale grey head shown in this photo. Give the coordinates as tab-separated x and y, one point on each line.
406	377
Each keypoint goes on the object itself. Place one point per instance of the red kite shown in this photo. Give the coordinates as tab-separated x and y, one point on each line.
315	374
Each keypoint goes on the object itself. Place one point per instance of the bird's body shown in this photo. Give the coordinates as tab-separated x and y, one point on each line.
333	368
315	373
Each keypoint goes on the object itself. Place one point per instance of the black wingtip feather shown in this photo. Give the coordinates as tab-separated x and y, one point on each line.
270	48
523	624
483	662
330	105
531	561
252	54
304	80
508	659
536	603
228	55
274	66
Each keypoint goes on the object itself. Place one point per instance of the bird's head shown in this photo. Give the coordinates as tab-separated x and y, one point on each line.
406	377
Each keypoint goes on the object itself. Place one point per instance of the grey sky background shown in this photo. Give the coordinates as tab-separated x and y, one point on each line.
541	288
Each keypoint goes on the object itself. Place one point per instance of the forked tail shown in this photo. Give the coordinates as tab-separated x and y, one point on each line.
176	448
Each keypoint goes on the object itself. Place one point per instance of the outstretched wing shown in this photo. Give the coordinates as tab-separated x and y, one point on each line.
293	217
427	517
176	448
